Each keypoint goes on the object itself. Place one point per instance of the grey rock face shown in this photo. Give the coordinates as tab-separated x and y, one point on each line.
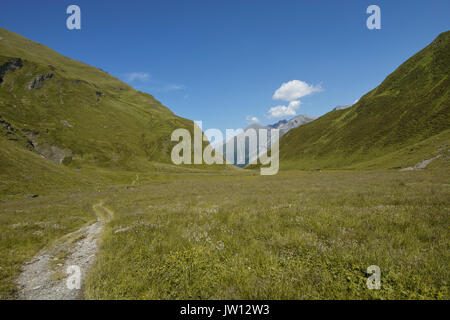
10	65
53	153
6	125
285	126
38	82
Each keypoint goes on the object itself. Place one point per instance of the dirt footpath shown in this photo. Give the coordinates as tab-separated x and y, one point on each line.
45	277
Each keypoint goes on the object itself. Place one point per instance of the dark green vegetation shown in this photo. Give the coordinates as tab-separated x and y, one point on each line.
389	123
75	136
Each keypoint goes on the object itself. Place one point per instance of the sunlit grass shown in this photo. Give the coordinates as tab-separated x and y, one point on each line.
292	236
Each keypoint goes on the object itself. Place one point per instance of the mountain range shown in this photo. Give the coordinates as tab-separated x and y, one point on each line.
76	115
283	126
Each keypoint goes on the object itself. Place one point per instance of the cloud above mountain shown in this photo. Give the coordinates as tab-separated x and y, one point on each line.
294	90
251	119
291	92
284	111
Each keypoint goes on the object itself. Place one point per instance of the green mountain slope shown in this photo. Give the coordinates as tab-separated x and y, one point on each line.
411	105
75	114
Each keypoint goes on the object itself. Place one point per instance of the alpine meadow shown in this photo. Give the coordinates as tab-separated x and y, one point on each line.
88	183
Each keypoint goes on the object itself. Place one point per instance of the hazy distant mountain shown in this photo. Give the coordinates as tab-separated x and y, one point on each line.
283	125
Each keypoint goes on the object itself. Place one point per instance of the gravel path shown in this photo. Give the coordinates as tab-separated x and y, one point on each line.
422	164
45	277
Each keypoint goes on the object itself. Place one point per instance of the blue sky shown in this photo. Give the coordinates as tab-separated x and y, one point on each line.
222	61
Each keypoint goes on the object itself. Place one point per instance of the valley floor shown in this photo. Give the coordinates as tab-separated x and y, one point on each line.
296	235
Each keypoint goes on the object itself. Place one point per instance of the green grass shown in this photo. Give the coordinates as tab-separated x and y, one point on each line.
209	235
407	156
64	204
198	232
28	225
292	236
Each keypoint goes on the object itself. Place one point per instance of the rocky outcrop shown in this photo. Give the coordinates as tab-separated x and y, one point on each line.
65	123
53	153
30	138
284	125
47	150
6	125
10	65
38	82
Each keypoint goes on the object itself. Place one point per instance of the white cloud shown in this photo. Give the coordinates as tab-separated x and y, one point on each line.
291	92
139	76
173	87
294	104
251	119
295	89
284	111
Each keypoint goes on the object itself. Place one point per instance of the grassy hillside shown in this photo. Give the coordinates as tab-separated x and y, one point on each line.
76	114
69	133
411	105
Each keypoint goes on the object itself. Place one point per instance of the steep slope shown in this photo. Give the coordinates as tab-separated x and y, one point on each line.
412	104
72	113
